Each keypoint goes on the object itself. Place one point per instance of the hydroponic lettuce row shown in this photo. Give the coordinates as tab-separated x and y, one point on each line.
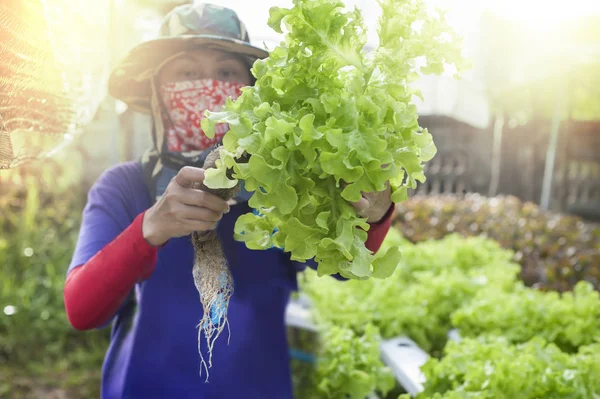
326	121
465	283
432	281
517	342
494	369
570	320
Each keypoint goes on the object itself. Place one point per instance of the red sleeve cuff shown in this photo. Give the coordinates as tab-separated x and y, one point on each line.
379	230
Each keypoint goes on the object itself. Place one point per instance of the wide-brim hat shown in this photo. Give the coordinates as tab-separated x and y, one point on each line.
186	27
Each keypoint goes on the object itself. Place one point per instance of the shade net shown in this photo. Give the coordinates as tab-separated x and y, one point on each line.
54	57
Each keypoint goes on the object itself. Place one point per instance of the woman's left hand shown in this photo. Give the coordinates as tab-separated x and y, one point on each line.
374	206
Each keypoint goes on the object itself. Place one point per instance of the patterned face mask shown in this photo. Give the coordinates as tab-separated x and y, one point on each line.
185	104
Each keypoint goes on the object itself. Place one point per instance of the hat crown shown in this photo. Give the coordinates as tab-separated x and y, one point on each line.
203	18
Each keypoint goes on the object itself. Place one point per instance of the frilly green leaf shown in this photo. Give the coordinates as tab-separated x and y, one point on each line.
327	121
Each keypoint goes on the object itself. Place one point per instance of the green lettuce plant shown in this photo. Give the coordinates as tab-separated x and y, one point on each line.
326	121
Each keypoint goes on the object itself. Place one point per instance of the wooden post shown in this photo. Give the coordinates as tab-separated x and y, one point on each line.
496	155
545	201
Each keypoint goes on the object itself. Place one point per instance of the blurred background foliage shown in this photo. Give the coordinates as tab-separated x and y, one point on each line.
41	356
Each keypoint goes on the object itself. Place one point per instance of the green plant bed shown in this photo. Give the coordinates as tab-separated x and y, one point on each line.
569	320
494	368
433	280
472	284
41	355
555	251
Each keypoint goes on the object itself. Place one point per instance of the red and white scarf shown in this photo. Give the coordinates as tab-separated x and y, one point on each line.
185	104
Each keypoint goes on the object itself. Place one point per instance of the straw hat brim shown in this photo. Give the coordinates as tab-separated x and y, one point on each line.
130	81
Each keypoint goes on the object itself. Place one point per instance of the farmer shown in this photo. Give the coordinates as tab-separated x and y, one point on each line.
132	265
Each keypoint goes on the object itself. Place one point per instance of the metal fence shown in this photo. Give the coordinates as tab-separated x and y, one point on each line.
464	163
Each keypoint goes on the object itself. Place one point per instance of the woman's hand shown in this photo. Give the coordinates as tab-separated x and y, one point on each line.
374	206
183	209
